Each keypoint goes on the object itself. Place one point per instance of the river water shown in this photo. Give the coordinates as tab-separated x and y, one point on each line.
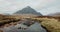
33	28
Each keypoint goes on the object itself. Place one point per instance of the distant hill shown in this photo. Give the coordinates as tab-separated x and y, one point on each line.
28	10
55	14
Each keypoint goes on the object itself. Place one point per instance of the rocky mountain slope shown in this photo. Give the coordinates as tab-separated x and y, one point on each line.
28	10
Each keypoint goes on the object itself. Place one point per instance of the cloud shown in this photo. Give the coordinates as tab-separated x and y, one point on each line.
43	6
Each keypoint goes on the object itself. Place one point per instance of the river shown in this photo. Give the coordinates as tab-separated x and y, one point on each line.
33	28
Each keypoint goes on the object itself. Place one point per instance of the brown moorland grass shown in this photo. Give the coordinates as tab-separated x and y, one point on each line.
52	24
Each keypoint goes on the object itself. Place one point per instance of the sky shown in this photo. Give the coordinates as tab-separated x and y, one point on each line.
43	6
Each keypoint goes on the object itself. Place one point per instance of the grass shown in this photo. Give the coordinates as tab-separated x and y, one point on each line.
51	24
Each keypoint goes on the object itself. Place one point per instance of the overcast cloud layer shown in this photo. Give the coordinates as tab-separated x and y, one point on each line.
43	6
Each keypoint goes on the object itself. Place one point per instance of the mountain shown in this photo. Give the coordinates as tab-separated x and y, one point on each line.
54	14
28	10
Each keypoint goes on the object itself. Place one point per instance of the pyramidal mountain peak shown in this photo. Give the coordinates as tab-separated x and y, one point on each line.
28	10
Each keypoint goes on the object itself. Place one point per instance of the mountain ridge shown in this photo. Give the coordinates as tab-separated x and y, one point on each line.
54	14
28	10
